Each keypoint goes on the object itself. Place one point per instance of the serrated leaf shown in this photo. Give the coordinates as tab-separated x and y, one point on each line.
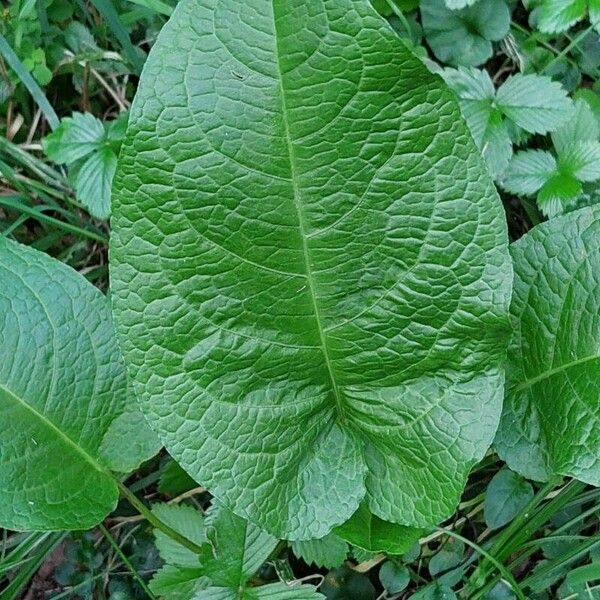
237	548
178	583
282	591
463	37
330	551
93	181
535	103
528	171
75	138
553	356
506	495
582	126
187	521
582	160
232	550
371	533
312	305
62	388
557	193
476	92
558	15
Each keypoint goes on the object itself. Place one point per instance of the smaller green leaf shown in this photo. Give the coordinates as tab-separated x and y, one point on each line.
581	160
236	549
187	521
528	171
449	556
557	193
346	584
371	533
93	182
535	103
330	551
281	591
463	37
458	4
506	494
394	578
501	591
76	137
558	15
582	126
177	583
434	591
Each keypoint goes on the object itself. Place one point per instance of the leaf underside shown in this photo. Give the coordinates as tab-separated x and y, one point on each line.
309	266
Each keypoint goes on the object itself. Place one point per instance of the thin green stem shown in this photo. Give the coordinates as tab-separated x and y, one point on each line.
155	521
40	216
563	53
506	574
398	12
111	540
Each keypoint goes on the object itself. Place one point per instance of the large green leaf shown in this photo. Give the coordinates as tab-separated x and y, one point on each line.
309	266
550	420
63	397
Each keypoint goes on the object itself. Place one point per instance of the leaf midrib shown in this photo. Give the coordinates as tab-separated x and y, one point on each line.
303	236
50	425
550	372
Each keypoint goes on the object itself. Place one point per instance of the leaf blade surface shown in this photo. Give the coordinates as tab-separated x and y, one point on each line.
275	319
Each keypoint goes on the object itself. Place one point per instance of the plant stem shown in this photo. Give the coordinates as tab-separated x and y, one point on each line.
111	540
506	574
155	521
567	48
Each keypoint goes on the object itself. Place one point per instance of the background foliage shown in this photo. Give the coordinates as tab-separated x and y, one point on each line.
526	75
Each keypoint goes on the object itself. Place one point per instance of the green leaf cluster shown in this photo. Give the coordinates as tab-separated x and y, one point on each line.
557	179
232	551
464	37
90	149
497	118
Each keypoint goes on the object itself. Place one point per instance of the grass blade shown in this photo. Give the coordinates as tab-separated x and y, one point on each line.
108	12
29	82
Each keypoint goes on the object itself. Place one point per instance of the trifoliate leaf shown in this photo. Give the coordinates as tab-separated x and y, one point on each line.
232	550
582	160
506	495
528	171
330	551
535	103
75	137
550	418
464	37
582	126
93	182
